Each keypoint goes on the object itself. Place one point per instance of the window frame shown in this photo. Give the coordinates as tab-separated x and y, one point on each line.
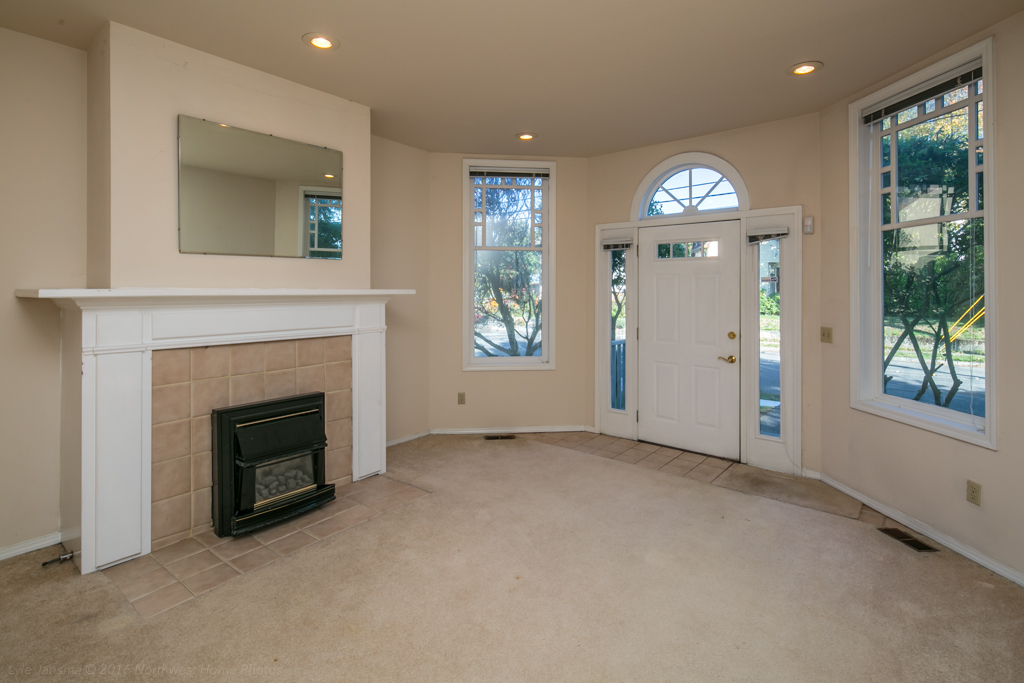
866	392
679	162
546	361
304	231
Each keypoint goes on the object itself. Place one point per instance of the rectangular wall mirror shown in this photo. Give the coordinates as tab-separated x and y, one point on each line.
250	194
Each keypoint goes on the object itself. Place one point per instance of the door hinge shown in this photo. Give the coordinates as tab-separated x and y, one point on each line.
638	332
638	416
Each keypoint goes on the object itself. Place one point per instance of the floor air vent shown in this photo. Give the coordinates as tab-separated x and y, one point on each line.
499	437
908	540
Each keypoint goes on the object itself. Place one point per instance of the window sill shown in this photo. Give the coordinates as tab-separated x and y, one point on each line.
536	365
954	429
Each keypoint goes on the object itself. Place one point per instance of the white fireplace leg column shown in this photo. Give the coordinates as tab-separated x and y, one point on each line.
369	431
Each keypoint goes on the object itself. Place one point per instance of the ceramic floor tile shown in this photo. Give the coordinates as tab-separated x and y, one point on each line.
308	519
328	528
665	450
619	446
655	461
358	515
147	583
718	462
274	533
162	600
584	448
678	468
704	473
177	551
210	579
603	453
254	559
237	546
695	458
289	544
633	455
338	505
649	447
193	564
210	539
120	573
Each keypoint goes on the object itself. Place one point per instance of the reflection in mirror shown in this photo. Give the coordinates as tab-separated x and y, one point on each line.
251	194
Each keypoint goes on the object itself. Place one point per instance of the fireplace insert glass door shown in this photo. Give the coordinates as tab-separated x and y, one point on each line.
280	480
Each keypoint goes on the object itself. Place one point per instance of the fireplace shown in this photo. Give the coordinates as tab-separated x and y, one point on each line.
268	462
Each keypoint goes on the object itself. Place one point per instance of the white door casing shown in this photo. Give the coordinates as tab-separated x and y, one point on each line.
689	392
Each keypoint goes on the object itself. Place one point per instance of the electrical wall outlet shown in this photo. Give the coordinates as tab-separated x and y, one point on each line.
826	335
973	492
462	398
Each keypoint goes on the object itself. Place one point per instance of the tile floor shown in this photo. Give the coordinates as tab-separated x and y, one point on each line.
669	460
175	574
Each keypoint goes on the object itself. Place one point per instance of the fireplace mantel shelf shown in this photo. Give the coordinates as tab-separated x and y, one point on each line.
109	336
177	294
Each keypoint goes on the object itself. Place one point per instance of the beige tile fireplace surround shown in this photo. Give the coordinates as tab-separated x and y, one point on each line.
189	383
144	368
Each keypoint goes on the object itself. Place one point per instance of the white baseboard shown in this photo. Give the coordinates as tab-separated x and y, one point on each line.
937	536
495	430
411	437
29	545
811	474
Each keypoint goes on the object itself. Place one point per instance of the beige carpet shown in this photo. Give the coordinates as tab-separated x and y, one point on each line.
532	562
800	491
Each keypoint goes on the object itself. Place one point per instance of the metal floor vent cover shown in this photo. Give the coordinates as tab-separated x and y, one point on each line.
908	540
499	437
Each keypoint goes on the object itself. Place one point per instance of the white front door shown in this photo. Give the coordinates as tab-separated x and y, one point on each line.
689	326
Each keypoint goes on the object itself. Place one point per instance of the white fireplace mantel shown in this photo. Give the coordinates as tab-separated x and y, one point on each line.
106	406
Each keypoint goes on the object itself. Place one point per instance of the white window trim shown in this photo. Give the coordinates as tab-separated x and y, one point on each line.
546	361
865	281
663	171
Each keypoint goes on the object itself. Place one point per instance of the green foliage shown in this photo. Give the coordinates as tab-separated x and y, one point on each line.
933	163
508	288
769	304
933	277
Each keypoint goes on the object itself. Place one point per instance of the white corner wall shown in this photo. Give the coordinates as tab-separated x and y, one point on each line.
42	244
152	81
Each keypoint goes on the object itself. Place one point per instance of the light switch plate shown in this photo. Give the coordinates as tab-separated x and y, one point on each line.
826	335
462	398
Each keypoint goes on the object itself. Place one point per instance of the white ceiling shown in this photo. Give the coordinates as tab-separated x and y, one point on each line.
587	78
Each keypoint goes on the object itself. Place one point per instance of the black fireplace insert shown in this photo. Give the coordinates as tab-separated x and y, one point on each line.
268	462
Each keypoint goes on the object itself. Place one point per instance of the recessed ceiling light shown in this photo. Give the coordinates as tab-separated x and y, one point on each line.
319	40
525	136
328	175
224	125
804	68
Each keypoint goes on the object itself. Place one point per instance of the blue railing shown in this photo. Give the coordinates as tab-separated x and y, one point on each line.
618	374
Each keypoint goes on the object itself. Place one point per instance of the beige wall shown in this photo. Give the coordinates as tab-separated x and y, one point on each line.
42	228
152	81
399	260
779	163
229	213
919	473
564	396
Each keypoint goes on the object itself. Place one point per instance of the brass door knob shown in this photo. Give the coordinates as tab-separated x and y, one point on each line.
732	335
730	359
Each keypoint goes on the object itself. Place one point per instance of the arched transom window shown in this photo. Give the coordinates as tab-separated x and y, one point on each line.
688	184
693	189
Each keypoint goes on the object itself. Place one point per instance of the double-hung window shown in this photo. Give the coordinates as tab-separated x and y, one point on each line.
923	309
509	224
